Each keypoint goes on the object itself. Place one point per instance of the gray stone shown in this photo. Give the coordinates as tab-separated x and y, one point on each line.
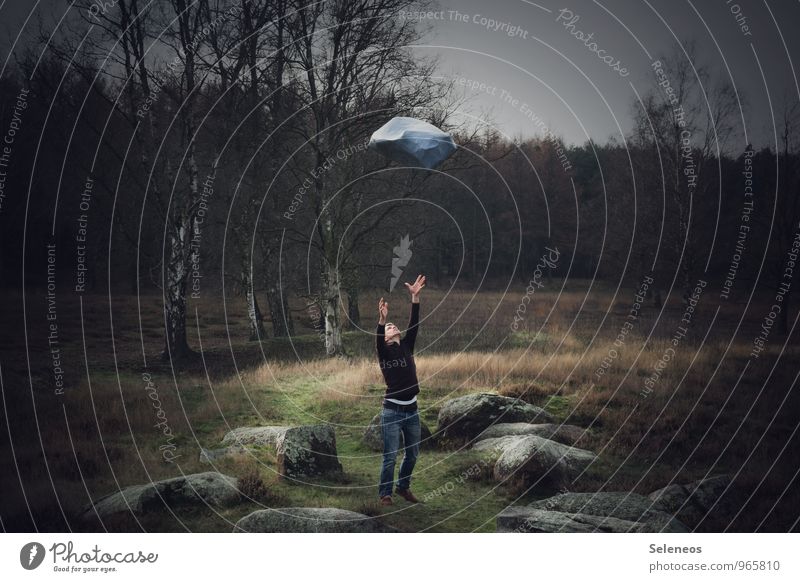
521	519
534	460
490	449
566	434
373	437
466	417
198	489
307	451
619	505
308	520
696	502
254	435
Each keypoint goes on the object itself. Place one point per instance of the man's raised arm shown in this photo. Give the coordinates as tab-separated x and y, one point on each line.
380	330
413	326
413	322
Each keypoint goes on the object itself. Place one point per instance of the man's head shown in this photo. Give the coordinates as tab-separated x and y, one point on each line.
391	333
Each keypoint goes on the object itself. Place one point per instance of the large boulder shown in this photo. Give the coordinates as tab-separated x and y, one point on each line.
254	435
495	445
464	418
308	520
522	519
301	451
198	489
534	460
307	451
373	438
619	505
697	503
566	434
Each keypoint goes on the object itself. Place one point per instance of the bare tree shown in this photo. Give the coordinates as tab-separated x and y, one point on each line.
248	47
690	117
787	204
125	44
356	70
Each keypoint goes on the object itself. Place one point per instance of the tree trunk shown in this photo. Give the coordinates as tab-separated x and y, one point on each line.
316	317
253	312
175	276
279	313
333	328
186	224
353	314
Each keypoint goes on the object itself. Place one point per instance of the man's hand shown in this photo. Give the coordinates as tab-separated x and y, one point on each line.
383	311
416	288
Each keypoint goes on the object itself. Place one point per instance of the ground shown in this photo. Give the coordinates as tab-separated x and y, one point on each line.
701	416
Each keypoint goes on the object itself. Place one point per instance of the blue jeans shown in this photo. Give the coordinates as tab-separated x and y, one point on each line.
393	423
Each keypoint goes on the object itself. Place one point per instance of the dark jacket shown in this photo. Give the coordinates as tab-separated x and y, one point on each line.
397	361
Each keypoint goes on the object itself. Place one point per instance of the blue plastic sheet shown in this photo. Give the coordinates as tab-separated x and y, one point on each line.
413	142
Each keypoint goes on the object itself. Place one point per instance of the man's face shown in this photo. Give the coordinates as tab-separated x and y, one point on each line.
391	333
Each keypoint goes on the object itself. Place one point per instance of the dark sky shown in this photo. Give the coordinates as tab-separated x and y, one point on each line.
556	78
580	96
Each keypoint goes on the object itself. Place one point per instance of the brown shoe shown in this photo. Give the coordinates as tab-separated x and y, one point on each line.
407	495
386	500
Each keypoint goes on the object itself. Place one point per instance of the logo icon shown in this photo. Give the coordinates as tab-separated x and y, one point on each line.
403	252
31	555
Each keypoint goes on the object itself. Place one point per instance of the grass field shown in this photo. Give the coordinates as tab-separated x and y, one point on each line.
714	409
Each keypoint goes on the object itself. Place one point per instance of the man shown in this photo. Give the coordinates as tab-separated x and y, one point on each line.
399	414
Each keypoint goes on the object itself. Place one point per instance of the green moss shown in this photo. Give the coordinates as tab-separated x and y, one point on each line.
558	406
